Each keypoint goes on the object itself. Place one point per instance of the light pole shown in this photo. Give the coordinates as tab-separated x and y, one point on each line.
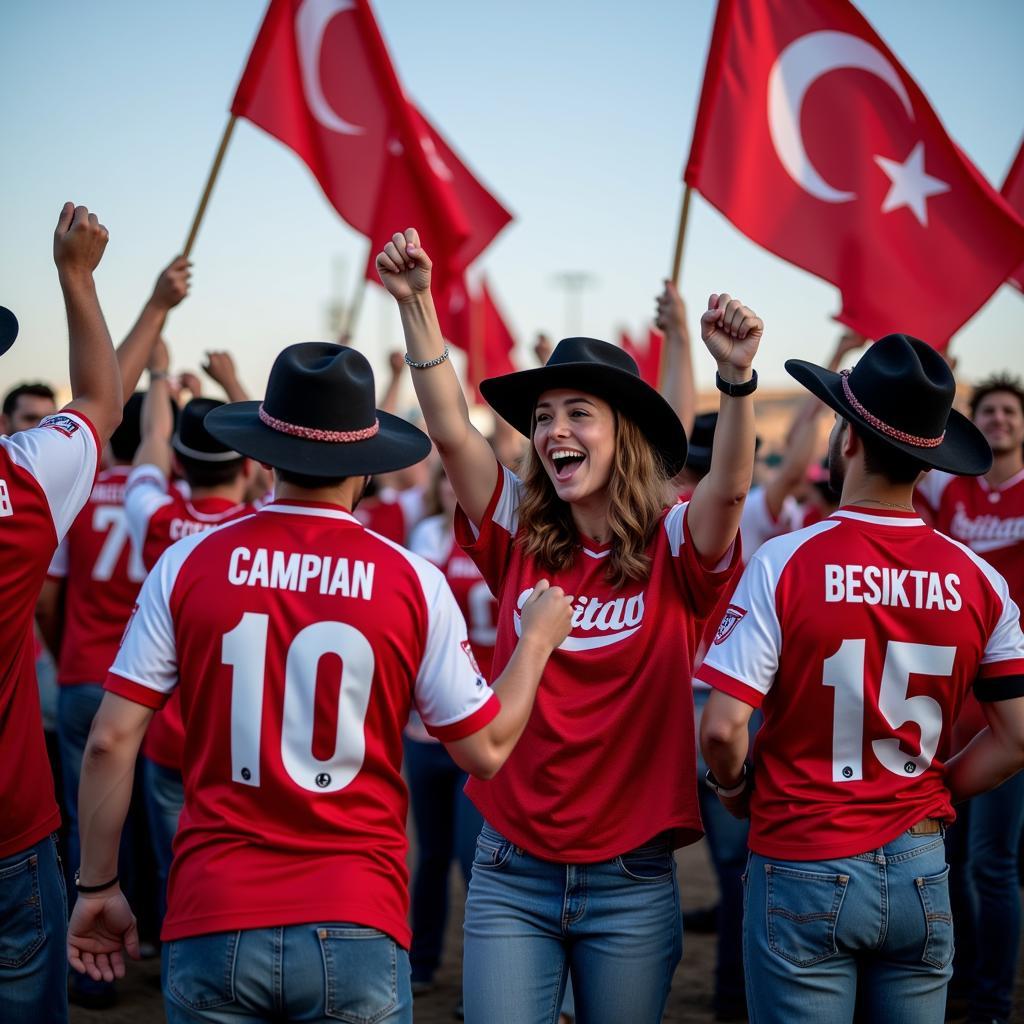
573	281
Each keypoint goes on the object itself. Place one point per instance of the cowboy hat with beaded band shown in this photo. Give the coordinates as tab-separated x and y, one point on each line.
601	369
902	392
319	418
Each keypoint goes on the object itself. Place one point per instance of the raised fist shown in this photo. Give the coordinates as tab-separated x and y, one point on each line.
78	241
220	368
404	268
671	311
172	284
731	332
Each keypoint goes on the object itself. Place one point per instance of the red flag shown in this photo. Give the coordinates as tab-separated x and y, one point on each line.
1013	193
320	80
647	355
814	141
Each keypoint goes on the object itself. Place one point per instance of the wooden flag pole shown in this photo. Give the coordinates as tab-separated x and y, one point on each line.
214	171
353	311
684	214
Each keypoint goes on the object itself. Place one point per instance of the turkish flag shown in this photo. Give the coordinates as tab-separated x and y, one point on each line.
474	322
647	355
1013	193
320	80
814	141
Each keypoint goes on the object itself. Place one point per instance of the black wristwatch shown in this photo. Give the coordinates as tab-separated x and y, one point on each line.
748	387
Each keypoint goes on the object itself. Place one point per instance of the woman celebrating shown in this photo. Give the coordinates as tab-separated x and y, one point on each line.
573	867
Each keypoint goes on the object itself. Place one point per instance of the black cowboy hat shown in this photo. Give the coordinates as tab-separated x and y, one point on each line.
319	418
902	391
193	440
601	369
702	442
8	329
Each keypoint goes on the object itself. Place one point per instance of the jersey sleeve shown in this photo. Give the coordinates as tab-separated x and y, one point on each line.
145	492
451	695
929	491
428	540
146	667
62	454
1001	673
58	568
702	585
490	547
757	524
744	656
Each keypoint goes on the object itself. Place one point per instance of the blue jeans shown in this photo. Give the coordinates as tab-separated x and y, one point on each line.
615	925
727	844
33	932
988	909
165	795
447	825
305	972
813	930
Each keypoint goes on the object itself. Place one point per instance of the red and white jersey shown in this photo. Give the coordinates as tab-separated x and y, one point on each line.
158	516
46	475
989	520
103	570
860	637
757	524
392	513
299	642
607	759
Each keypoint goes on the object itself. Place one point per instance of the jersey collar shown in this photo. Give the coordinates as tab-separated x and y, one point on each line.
880	517
1004	486
322	509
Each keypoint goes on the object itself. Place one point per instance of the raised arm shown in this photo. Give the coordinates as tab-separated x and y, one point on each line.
157	420
220	368
404	270
396	370
677	383
78	245
731	333
133	353
546	621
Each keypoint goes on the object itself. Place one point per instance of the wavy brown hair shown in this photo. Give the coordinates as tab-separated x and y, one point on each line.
638	490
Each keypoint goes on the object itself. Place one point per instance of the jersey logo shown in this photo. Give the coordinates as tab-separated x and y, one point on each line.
65	424
6	508
465	645
986	533
604	622
732	616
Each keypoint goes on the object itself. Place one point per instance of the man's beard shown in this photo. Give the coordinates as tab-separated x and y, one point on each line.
367	480
836	470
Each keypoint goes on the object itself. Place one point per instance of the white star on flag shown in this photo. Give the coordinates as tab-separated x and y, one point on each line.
911	186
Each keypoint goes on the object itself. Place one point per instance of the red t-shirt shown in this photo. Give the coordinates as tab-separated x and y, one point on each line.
103	571
860	637
158	516
989	520
392	513
299	642
46	475
607	759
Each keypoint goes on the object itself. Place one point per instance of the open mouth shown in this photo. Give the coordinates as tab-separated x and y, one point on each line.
565	462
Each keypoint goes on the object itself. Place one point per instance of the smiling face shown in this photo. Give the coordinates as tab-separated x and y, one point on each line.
1000	417
574	437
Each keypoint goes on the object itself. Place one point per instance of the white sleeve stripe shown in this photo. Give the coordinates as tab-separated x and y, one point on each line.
506	511
674	527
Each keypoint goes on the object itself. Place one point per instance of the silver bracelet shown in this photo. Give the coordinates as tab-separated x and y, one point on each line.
429	362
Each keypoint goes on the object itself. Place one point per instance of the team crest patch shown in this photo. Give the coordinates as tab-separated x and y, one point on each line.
733	614
65	424
472	657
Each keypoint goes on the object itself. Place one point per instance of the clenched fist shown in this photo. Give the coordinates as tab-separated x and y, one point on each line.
547	615
732	333
79	240
172	284
404	268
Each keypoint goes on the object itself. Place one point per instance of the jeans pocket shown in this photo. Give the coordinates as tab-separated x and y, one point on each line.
650	863
21	912
938	919
361	973
492	851
201	970
803	907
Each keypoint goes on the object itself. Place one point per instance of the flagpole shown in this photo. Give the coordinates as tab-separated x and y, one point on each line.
353	311
214	171
684	214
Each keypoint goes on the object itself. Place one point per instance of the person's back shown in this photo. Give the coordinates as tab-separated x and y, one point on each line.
885	625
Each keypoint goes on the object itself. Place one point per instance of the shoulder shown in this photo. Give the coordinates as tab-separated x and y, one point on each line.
778	552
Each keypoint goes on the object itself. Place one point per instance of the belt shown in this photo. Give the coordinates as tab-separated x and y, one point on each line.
926	827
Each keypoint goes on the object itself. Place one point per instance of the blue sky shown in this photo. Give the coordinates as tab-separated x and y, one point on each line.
576	114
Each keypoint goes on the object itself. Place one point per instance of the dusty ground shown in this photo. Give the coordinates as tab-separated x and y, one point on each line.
141	1003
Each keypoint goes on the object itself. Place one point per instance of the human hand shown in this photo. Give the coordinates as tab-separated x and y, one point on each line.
78	241
159	358
543	348
173	283
396	363
738	806
190	382
220	368
547	615
404	267
101	926
671	312
732	333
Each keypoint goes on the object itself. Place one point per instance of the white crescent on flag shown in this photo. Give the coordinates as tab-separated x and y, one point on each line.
311	21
